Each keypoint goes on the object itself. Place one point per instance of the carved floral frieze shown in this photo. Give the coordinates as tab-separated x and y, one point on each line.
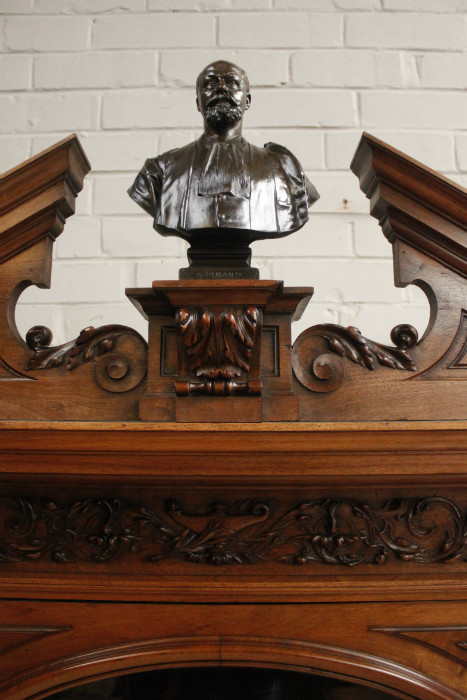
327	531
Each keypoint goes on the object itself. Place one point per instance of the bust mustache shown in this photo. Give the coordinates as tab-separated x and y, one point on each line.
222	111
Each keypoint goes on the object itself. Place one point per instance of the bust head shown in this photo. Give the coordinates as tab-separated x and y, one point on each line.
222	95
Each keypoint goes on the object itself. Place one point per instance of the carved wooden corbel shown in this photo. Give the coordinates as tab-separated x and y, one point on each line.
219	350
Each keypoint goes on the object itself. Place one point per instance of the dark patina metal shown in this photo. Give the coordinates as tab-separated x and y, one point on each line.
220	193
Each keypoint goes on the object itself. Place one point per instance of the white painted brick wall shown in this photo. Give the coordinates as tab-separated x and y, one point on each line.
43	33
148	30
280	30
95	69
406	31
121	74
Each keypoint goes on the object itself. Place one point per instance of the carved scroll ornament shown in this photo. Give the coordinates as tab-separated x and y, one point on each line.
116	371
324	372
326	531
219	352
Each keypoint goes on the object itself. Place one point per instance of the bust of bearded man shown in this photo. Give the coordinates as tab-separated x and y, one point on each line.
220	192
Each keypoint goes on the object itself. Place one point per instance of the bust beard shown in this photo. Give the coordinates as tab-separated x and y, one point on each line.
222	114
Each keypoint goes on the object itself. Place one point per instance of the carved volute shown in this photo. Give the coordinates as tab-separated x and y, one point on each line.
424	216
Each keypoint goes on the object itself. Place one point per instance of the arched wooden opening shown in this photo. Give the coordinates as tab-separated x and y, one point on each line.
222	683
217	652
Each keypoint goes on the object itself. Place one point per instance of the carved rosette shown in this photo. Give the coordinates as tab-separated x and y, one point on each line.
217	350
119	354
327	531
319	354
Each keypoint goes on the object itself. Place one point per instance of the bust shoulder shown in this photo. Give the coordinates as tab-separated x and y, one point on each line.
283	154
175	155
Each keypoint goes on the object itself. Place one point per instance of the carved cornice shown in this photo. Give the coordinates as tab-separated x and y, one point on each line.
397	184
327	531
37	196
221	292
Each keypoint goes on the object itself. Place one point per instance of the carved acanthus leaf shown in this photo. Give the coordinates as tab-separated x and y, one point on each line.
218	344
239	332
350	343
195	326
327	531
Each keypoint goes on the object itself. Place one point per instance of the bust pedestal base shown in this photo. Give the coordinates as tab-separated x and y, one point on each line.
219	264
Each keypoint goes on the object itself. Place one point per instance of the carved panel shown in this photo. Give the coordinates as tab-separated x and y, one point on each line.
450	641
328	531
169	364
270	362
14	636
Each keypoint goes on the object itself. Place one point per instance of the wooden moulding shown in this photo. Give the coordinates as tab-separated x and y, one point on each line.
99	374
35	199
413	651
413	203
127	547
130	545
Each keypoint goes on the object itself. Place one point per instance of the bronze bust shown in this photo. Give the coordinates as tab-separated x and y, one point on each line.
220	193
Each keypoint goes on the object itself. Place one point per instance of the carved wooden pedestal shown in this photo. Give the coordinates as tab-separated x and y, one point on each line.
219	351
